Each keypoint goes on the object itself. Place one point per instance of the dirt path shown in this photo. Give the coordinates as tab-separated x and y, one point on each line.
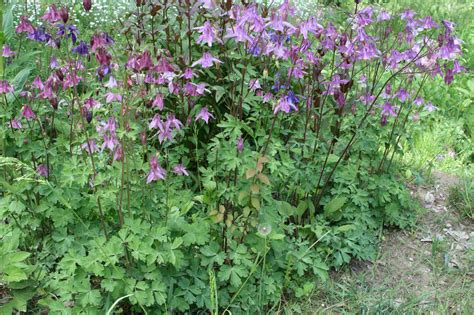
428	270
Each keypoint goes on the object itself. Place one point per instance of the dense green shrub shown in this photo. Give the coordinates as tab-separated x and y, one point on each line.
213	158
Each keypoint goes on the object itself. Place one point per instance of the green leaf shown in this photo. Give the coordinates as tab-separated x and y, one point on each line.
15	257
13	273
335	205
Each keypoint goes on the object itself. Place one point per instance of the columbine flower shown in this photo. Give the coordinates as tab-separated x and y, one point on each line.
402	95
112	83
285	104
15	124
204	115
27	112
207	34
90	146
387	110
156	171
5	87
240	144
429	107
87	5
42	170
37	83
81	49
418	101
24	26
180	169
206	61
158	101
254	84
7	52
51	15
110	97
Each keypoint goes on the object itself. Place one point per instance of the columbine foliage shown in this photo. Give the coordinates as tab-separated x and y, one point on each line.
212	158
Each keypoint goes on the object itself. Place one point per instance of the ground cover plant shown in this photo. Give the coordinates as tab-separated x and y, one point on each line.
213	157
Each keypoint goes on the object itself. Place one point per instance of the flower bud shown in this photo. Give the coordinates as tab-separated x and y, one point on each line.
87	4
64	14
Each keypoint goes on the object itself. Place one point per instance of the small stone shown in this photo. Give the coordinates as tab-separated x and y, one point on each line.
429	197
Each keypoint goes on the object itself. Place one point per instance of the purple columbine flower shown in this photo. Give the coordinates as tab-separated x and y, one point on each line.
90	146
387	110
285	104
42	170
15	124
158	101
7	52
402	95
111	97
81	49
204	115
37	83
39	35
240	144
27	112
207	34
429	107
51	15
112	83
180	169
156	171
206	61
24	26
418	101
5	87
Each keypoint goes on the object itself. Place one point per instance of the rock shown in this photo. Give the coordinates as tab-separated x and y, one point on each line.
429	197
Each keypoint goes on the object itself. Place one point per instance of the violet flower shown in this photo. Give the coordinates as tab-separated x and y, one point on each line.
7	52
206	61
81	49
24	26
204	115
429	107
42	170
240	144
156	171
15	124
5	87
208	34
27	112
180	169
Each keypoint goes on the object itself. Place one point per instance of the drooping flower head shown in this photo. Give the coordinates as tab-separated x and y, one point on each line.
206	61
156	171
27	112
24	26
204	114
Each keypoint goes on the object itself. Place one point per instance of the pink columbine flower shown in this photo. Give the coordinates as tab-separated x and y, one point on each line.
51	15
204	115
5	87
90	103
37	83
110	97
156	171
90	146
284	105
207	34
180	169
387	110
15	124
24	26
42	170
112	83
206	61
429	107
254	84
188	73
240	144
27	112
7	52
158	101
